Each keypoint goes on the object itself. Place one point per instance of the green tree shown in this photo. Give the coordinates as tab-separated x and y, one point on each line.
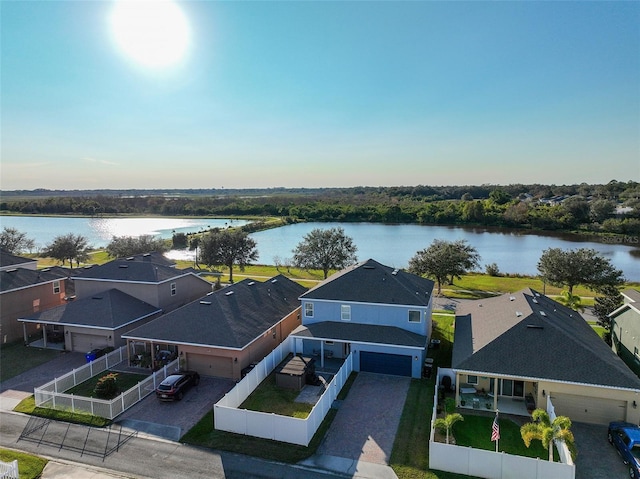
473	211
228	248
446	424
444	259
68	247
582	266
578	208
325	249
124	246
600	210
499	196
604	305
546	431
14	241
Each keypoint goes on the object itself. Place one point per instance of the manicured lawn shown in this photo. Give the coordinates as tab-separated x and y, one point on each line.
475	431
17	358
28	406
125	381
29	466
268	397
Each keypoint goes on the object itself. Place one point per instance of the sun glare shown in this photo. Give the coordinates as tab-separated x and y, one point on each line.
152	33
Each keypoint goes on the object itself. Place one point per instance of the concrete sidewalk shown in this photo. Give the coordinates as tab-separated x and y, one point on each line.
64	470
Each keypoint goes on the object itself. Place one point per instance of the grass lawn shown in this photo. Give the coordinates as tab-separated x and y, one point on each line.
268	397
475	431
125	381
16	358
28	406
29	466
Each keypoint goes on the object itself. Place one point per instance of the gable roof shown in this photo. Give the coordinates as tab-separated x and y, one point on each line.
132	269
110	309
526	334
9	260
372	282
20	278
361	333
231	317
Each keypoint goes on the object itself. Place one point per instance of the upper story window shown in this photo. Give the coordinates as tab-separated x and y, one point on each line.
308	310
414	316
345	312
56	287
173	289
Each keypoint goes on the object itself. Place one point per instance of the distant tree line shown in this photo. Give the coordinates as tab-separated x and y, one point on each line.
542	207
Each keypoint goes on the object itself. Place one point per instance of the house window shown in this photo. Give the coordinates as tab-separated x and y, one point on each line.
414	316
56	287
308	310
345	312
173	289
472	379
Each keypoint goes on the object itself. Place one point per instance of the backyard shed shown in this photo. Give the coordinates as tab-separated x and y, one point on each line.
292	373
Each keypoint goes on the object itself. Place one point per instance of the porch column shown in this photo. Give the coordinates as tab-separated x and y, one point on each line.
457	389
495	394
322	354
44	335
24	333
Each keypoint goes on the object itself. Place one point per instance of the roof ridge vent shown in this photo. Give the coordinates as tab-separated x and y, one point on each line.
251	283
131	258
45	270
209	293
274	280
228	293
12	270
207	303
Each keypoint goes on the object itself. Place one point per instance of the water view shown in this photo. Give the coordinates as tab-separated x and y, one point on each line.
512	250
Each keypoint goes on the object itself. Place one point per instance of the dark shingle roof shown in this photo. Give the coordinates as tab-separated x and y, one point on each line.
132	270
526	334
363	333
372	282
22	278
110	309
8	259
228	318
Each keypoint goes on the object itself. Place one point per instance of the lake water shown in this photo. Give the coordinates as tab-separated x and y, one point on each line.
514	251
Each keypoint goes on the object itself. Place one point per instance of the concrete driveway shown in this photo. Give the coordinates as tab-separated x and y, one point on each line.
366	424
597	459
171	420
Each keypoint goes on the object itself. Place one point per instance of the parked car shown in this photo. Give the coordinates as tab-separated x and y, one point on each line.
175	385
626	438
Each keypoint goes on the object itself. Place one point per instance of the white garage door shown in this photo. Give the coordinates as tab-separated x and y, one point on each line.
589	409
218	366
83	343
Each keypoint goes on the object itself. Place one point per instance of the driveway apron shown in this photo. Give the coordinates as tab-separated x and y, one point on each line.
597	459
365	426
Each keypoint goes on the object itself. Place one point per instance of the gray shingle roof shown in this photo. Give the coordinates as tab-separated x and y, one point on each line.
22	278
8	259
632	294
131	270
228	318
110	309
363	333
372	282
526	334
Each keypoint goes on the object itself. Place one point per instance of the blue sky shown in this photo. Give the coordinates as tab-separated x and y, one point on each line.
324	93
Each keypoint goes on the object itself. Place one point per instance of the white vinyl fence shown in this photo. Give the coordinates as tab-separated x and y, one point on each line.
9	470
228	417
493	465
51	395
563	450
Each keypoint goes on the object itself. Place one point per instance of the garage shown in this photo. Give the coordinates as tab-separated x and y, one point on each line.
589	409
86	342
383	363
206	365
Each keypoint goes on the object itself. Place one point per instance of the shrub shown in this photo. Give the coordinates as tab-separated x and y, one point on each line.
492	269
107	387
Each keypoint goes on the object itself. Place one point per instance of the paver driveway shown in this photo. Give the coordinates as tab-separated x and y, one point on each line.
366	424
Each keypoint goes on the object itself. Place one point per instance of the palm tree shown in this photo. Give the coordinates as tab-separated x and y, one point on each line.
571	300
445	424
542	429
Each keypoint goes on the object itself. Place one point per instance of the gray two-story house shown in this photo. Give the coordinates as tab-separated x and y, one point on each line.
379	314
625	329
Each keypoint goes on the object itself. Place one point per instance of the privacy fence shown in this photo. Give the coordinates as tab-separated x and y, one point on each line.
494	465
227	416
52	394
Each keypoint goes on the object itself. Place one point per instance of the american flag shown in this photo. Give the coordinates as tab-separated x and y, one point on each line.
495	430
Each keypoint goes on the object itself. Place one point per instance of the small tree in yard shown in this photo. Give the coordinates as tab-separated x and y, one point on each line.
107	387
546	431
604	305
446	424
